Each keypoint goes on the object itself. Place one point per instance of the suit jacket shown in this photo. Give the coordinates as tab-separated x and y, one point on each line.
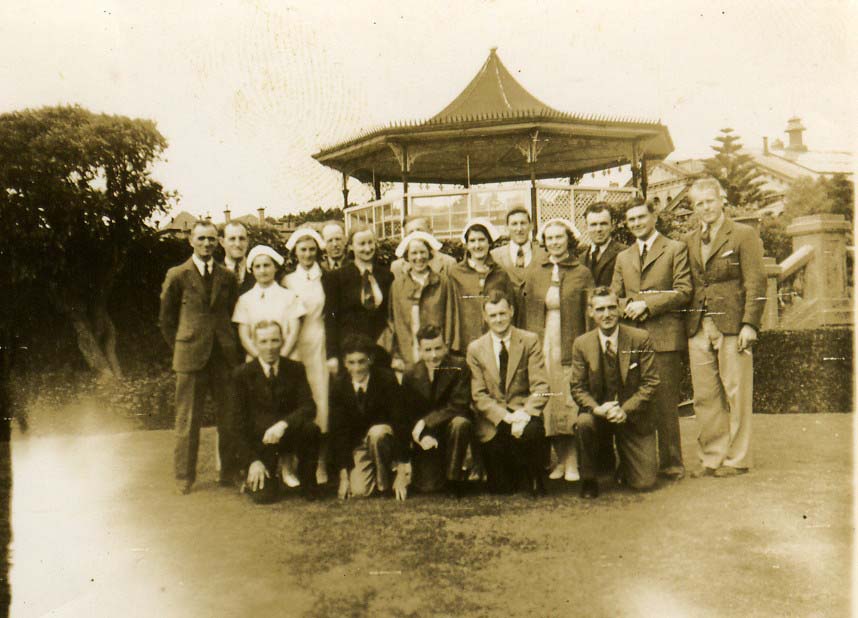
349	424
191	322
436	307
576	281
603	269
349	315
260	404
731	286
436	402
639	377
526	380
440	263
664	283
517	275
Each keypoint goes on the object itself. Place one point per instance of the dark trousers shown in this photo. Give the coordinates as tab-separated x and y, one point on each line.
191	389
666	407
507	458
638	455
302	438
431	468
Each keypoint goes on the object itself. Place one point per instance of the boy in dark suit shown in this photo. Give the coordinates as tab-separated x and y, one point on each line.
368	430
438	391
613	382
275	416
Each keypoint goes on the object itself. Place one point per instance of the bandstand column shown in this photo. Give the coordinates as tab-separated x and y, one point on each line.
345	191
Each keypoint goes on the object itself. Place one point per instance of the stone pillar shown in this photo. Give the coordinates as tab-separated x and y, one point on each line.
771	315
825	274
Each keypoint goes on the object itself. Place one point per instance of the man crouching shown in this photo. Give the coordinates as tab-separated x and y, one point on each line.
275	416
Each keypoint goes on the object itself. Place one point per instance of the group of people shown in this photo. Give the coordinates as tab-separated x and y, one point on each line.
520	362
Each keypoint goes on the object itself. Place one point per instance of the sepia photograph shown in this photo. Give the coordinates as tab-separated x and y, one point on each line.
427	309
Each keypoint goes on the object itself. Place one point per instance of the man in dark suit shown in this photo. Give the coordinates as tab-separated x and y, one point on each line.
197	300
275	412
601	254
437	390
653	282
368	429
726	311
509	388
335	246
613	381
233	238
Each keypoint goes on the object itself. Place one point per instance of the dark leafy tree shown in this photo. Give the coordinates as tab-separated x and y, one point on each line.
76	191
736	171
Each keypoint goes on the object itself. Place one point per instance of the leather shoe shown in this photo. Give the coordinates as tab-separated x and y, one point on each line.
703	472
590	489
183	488
673	473
727	471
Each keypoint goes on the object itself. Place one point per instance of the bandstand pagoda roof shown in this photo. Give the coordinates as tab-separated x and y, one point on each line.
489	133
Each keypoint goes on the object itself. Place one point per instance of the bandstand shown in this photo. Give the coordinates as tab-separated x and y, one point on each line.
495	131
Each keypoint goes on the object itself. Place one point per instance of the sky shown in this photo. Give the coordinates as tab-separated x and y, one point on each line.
246	91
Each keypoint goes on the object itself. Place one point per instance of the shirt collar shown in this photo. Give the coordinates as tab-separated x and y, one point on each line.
600	249
361	268
231	263
266	368
496	340
201	266
713	229
514	246
648	242
613	338
364	384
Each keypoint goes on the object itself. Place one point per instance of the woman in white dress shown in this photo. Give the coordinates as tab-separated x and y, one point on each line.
308	282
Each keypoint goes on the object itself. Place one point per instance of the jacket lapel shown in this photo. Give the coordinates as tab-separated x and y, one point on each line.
424	386
217	279
694	247
489	359
195	277
603	259
720	239
654	253
516	349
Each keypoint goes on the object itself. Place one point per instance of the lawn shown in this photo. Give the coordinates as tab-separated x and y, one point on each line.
98	531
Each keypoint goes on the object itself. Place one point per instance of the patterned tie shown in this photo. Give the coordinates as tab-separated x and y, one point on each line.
612	367
367	298
643	256
519	258
503	362
705	236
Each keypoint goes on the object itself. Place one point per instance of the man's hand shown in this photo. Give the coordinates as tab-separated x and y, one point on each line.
402	481
616	414
344	491
419	426
747	338
602	410
397	364
635	309
427	442
333	365
274	434
256	476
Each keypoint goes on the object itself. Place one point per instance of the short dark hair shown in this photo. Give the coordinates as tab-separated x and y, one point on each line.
477	227
494	296
357	343
202	223
597	207
602	290
637	202
517	210
266	324
428	331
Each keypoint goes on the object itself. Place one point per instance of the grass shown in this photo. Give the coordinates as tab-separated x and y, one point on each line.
776	542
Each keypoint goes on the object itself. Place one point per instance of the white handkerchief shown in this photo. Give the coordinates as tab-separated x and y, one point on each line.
728	252
632	366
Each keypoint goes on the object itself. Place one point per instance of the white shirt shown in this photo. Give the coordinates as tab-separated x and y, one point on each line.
596	251
513	252
496	343
201	266
364	384
614	338
647	243
267	369
239	268
705	247
376	291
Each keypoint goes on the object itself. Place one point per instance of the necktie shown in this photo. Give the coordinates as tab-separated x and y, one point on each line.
503	362
272	377
610	353
593	257
367	298
360	395
519	258
612	368
643	256
207	278
705	236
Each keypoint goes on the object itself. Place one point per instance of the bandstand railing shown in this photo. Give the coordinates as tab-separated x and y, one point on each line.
449	210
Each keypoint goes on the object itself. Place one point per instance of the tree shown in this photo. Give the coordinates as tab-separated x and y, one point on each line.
821	196
736	171
75	192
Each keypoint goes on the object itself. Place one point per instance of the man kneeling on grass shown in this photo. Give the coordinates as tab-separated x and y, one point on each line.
437	391
275	417
368	429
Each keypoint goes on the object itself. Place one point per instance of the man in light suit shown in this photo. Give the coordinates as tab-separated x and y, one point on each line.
613	381
509	389
439	263
197	300
601	255
516	256
726	311
653	281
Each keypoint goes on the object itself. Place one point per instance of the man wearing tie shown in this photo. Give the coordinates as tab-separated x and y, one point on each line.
653	282
233	239
726	311
197	300
601	255
509	388
516	256
613	381
335	246
275	412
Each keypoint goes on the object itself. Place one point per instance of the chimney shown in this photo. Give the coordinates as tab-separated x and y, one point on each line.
261	213
227	215
795	130
765	145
